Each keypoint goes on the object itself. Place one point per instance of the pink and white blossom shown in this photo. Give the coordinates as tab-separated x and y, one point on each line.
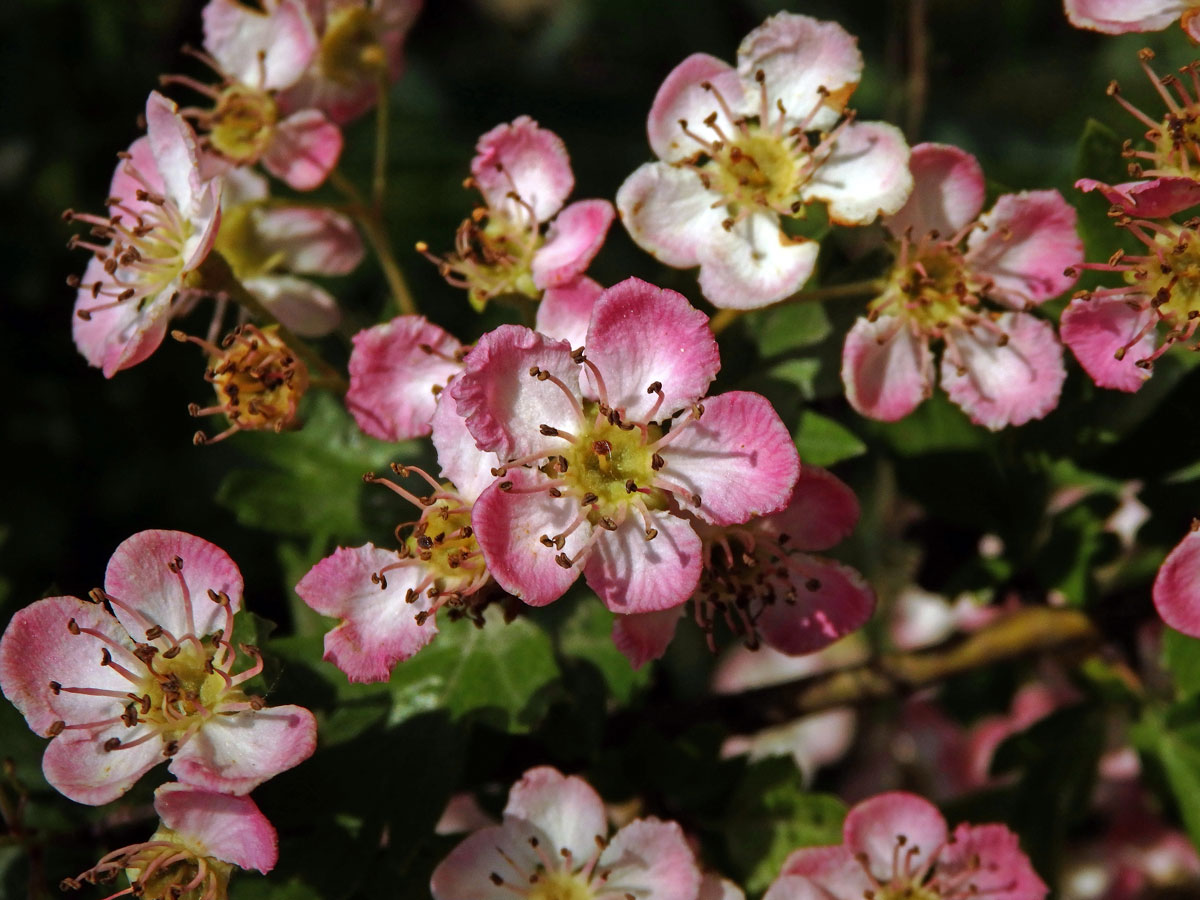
1177	585
607	452
522	240
145	673
554	842
1002	366
1172	147
1124	16
898	845
202	837
740	148
162	220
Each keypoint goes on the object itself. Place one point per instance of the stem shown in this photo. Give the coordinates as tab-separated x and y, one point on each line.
726	317
372	226
379	180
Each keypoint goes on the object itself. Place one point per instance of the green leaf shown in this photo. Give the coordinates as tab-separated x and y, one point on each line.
1098	154
823	441
1181	656
787	327
771	814
1177	749
587	635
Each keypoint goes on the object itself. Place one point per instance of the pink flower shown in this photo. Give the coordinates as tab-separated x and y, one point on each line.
1174	143
1124	16
269	243
762	581
161	224
1002	367
522	240
360	46
554	842
116	705
1177	585
202	837
259	54
599	465
739	148
897	845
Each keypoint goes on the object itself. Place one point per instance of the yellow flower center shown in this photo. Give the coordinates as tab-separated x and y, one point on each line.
350	51
559	886
610	464
1174	282
242	123
757	168
932	292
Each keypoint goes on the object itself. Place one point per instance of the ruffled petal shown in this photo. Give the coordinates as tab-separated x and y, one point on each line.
78	767
467	467
821	513
573	240
235	754
1096	330
119	337
634	575
655	856
565	312
800	55
669	213
394	379
754	263
1007	383
986	860
875	826
681	97
1154	199
1027	242
1123	16
645	636
827	601
379	626
528	160
865	176
139	575
886	369
303	150
832	869
1176	587
125	186
308	241
268	51
174	148
302	306
466	873
566	811
642	335
948	191
231	829
738	456
504	405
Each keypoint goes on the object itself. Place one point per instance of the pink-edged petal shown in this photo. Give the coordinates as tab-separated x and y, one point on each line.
1122	16
1011	377
379	626
681	97
235	754
738	456
713	887
462	815
119	337
669	213
78	767
140	575
988	862
565	312
645	636
1154	199
231	829
394	379
833	869
1097	330
125	185
754	264
948	191
524	158
865	176
174	147
874	826
308	241
467	467
634	575
799	56
466	873
1190	23
886	369
565	809
504	405
655	856
641	335
303	306
830	601
575	237
794	887
268	51
37	648
822	511
241	186
1176	587
509	527
303	150
1027	242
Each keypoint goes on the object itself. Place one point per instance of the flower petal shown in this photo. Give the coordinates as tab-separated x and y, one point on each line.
268	51
121	336
303	306
139	575
231	829
988	862
78	767
948	192
395	370
379	626
645	636
833	869
753	263
175	151
565	312
669	213
1177	586
1157	198
887	370
467	467
830	601
634	575
681	98
641	335
1096	330
1122	16
794	887
308	241
564	809
466	873
528	160
573	240
822	511
235	754
875	826
303	150
1007	383
865	176
655	856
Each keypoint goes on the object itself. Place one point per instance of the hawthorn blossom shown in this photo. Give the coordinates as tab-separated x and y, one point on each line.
1124	16
162	221
203	836
762	581
145	672
1004	366
598	466
1174	138
742	148
523	240
554	843
360	50
897	845
1177	585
